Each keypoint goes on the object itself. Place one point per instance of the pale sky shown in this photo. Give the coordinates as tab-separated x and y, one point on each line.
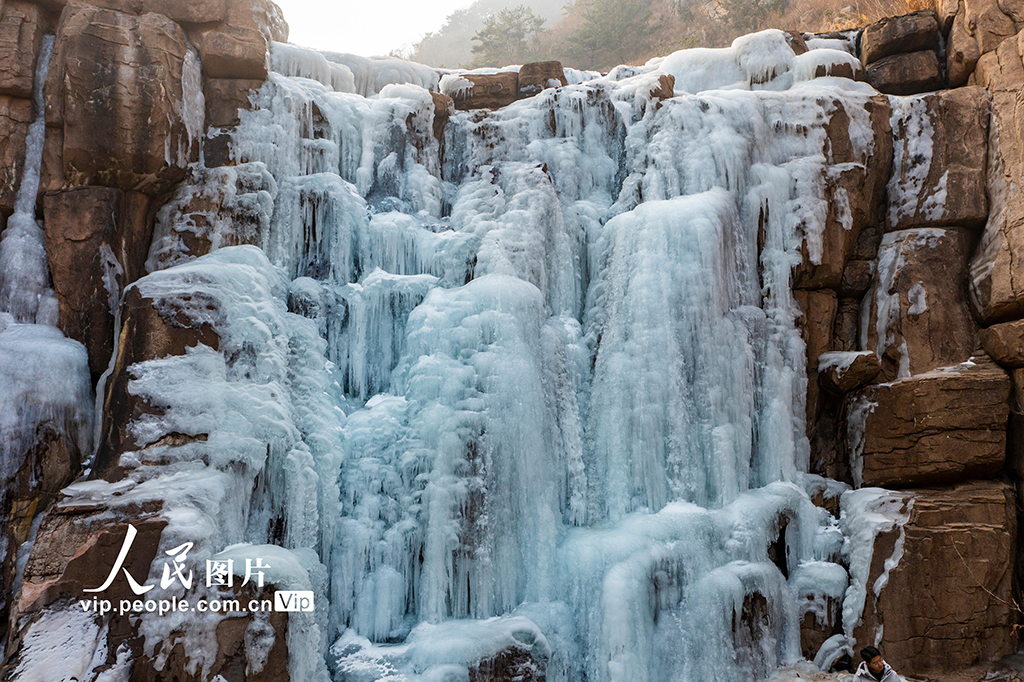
367	27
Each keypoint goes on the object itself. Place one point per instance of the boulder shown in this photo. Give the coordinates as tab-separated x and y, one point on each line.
145	130
238	47
997	293
537	76
939	160
1005	343
906	74
851	70
947	602
854	187
225	97
22	25
842	372
896	35
96	243
962	53
918	315
490	91
15	117
216	207
231	52
939	427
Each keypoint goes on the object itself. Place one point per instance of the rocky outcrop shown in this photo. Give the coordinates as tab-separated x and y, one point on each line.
939	161
978	27
897	35
1005	343
146	129
940	427
537	76
842	372
947	603
489	91
900	54
997	291
918	317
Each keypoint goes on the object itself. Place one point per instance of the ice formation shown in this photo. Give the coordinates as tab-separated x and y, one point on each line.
47	396
535	386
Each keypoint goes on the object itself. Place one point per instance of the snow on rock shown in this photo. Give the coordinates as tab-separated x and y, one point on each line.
866	514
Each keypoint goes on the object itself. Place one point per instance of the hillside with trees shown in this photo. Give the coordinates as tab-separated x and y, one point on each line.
599	34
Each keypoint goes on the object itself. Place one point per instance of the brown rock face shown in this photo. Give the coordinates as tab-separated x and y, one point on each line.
939	427
987	22
232	52
997	294
96	243
490	91
853	193
947	186
946	604
15	117
906	74
919	318
842	372
815	324
1005	343
536	76
895	35
145	130
225	97
21	29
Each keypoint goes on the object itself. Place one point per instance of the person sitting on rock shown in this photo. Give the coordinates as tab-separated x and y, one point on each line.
874	668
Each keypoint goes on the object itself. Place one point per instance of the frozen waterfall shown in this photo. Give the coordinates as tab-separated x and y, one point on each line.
535	384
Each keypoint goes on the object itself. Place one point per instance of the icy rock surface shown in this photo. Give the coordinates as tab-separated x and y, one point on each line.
535	386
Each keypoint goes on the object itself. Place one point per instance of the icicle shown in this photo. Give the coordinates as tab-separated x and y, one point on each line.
24	272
